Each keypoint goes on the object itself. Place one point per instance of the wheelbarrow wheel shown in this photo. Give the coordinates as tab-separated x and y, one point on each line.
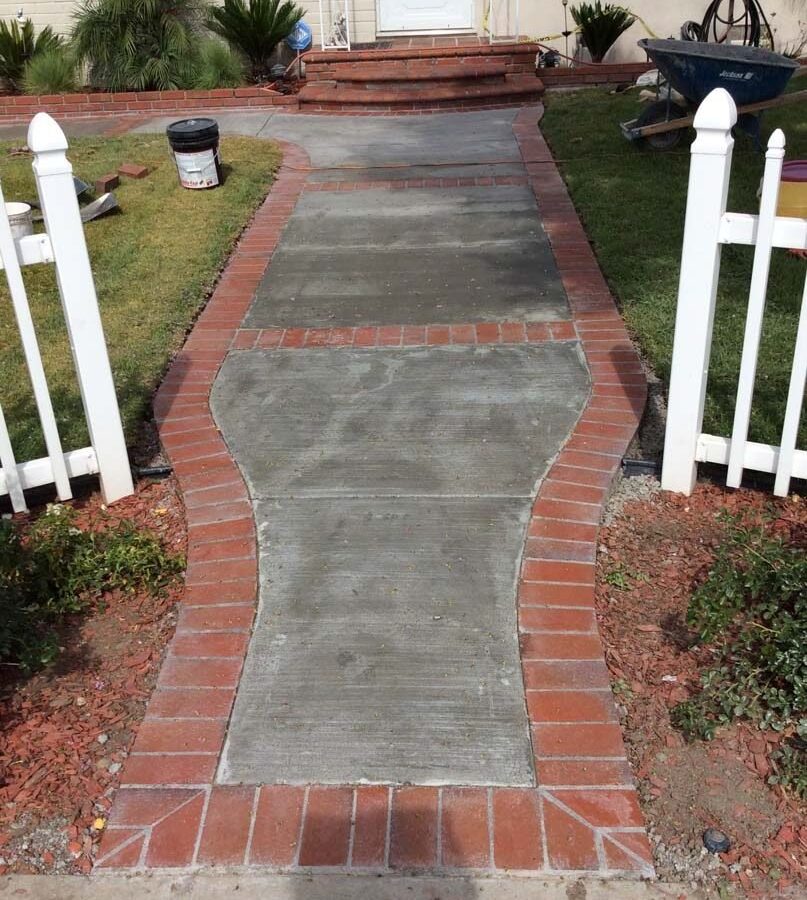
655	114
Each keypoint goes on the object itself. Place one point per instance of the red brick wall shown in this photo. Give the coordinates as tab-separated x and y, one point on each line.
147	102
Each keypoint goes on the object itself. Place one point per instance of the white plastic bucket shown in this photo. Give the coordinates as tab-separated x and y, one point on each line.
20	219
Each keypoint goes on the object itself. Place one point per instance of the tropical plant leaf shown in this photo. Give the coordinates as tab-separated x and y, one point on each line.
19	44
601	26
254	28
137	44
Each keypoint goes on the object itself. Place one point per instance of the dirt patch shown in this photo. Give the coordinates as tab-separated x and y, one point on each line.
65	732
654	549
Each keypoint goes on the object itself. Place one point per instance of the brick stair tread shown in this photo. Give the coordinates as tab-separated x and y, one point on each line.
333	93
352	56
417	72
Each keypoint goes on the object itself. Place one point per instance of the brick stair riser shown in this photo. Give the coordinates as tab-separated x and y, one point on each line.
496	51
508	88
407	73
523	63
457	85
425	107
415	75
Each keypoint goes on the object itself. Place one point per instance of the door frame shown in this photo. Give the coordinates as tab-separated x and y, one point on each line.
470	29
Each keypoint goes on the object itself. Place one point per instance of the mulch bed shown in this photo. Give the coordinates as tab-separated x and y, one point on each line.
65	732
650	559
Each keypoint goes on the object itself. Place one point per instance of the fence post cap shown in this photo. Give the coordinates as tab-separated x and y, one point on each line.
45	134
718	112
777	140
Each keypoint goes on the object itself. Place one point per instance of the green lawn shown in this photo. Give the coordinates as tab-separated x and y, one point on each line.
154	264
632	204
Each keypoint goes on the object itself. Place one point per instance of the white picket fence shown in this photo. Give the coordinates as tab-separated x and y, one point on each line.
708	227
62	244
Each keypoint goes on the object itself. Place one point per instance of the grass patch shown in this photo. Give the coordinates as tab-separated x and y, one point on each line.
154	264
632	203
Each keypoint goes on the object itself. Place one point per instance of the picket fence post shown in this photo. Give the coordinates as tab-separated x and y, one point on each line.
57	196
774	159
707	196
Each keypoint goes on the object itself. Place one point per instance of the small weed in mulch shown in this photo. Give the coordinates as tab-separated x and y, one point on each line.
88	608
701	604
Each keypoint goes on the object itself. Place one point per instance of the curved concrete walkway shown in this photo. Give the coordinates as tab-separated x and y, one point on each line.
427	393
393	485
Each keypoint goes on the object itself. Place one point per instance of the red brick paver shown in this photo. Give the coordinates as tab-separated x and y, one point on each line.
583	814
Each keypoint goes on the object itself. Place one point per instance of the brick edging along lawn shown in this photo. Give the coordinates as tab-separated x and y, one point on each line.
584	815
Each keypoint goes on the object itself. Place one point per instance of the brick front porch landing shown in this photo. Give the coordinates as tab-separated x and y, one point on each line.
583	814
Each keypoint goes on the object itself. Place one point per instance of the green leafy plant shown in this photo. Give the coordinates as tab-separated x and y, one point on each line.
790	766
53	72
254	28
618	578
751	609
136	45
56	569
19	44
217	66
600	26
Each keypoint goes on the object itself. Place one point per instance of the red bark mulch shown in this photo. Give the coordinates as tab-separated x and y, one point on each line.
65	732
650	559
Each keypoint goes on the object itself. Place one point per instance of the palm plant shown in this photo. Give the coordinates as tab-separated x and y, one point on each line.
136	45
52	72
255	28
19	45
600	26
217	66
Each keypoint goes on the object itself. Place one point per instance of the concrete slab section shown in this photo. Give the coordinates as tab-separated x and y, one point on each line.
335	141
380	257
71	127
392	491
438	421
249	124
385	647
402	172
425	218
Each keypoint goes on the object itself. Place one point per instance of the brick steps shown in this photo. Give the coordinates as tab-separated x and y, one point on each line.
428	78
325	95
395	72
395	69
490	50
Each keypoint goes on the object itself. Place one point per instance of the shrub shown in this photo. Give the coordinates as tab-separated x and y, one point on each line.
254	28
19	45
136	45
752	611
217	66
600	26
53	72
57	569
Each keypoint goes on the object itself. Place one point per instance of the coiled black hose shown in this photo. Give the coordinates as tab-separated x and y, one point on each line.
717	24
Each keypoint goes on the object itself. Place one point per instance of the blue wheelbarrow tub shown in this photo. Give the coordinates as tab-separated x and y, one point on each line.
695	69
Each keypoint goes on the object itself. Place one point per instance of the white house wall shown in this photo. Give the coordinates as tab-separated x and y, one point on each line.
538	18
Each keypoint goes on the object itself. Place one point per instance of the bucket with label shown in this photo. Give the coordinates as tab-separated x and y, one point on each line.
20	219
195	145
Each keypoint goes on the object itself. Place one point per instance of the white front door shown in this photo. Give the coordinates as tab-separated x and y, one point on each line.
425	15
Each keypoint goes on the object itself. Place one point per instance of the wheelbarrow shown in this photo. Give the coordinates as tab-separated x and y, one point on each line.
755	78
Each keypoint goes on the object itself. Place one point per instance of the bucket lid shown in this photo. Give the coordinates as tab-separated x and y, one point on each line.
795	170
193	129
